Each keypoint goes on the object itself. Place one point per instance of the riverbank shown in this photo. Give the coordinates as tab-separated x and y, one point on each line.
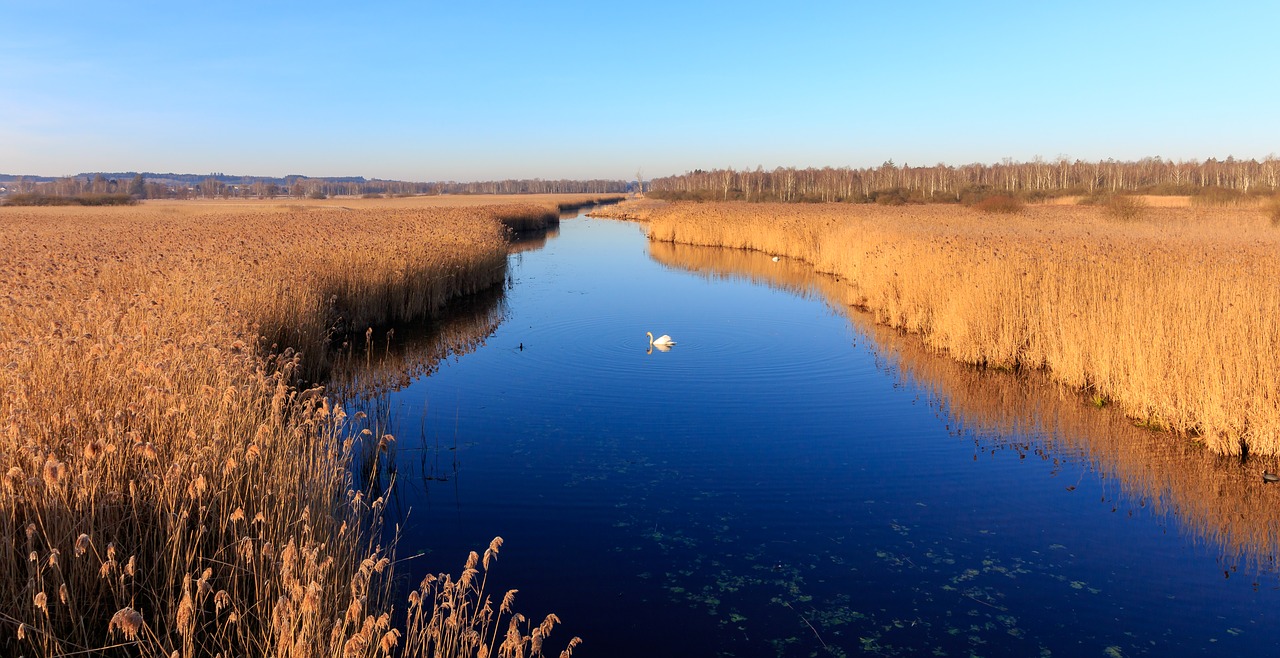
1170	317
168	487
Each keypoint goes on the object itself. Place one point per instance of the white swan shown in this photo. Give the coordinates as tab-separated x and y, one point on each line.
660	341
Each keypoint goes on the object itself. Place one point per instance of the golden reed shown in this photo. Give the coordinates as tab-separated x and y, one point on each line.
166	487
1174	318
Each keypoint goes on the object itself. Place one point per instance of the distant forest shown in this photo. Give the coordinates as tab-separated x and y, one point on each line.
1038	179
888	183
147	185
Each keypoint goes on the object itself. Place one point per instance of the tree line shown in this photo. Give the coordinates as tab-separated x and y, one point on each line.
534	186
171	186
945	183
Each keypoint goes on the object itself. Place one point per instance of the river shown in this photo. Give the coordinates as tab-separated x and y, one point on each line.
791	479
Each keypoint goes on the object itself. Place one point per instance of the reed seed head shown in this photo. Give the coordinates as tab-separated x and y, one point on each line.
548	624
355	646
83	544
535	642
14	478
127	621
186	614
508	600
221	600
54	472
389	641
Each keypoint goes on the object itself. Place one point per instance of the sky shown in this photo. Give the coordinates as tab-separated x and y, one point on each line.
476	90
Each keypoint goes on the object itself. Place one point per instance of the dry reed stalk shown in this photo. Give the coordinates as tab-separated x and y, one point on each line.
160	462
1173	318
449	617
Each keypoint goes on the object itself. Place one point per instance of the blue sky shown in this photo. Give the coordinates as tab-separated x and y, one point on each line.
483	90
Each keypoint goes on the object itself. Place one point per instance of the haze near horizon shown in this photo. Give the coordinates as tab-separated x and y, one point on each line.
493	90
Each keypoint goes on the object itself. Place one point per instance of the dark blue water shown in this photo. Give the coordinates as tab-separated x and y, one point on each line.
788	480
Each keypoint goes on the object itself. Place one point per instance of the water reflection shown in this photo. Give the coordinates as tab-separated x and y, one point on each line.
1215	500
393	357
532	240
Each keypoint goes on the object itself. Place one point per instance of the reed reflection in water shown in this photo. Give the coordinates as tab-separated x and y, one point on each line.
392	357
1211	499
532	240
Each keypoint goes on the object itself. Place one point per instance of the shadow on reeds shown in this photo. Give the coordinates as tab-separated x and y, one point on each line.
1215	499
392	357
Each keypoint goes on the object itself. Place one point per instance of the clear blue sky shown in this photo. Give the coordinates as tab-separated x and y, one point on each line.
482	90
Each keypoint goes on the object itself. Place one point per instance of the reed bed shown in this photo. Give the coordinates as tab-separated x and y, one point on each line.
1173	316
631	210
1215	499
169	488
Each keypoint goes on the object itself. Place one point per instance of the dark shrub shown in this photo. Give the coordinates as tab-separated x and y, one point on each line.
1123	207
1001	203
1272	207
36	199
1217	196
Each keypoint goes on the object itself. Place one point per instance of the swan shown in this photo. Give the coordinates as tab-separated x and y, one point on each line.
660	340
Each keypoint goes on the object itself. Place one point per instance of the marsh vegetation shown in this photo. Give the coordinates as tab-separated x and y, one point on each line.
175	479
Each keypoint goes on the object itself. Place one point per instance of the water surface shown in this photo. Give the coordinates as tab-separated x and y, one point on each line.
791	479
